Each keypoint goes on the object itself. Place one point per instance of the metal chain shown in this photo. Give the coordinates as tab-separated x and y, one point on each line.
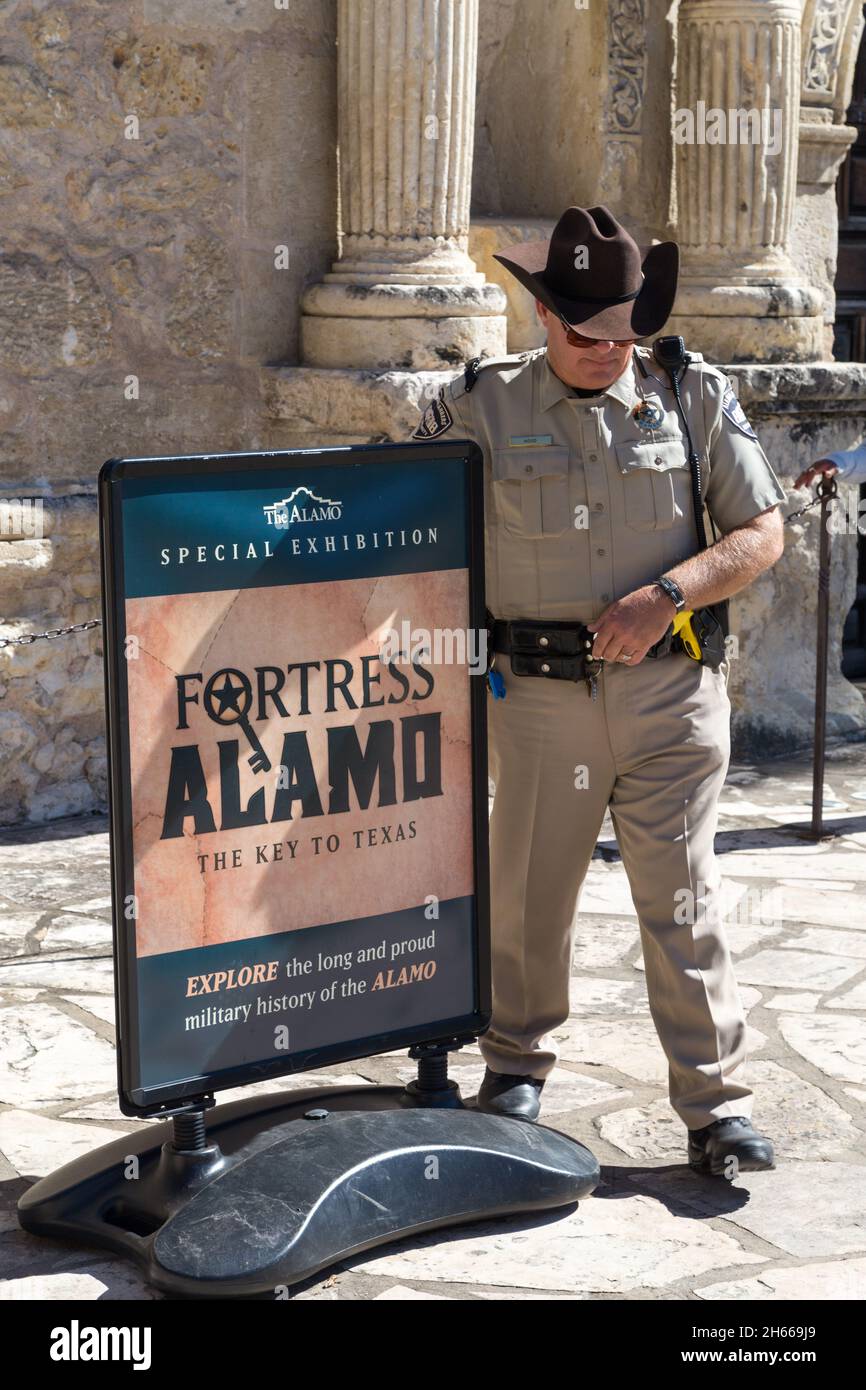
49	635
801	512
827	488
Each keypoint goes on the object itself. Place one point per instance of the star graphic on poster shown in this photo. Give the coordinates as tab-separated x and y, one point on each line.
227	698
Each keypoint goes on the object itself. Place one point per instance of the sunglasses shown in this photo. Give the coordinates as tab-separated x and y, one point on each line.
576	339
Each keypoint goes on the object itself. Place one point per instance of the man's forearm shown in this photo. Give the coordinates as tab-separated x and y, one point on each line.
732	563
632	624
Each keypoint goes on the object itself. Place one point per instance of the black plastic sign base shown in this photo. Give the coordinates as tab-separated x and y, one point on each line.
288	1184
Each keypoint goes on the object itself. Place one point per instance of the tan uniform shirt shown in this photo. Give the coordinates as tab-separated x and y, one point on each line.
582	506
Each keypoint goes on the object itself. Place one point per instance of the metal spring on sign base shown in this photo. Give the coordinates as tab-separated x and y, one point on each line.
189	1132
433	1072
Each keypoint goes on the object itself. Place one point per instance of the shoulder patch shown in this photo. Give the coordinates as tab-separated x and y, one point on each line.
435	421
735	413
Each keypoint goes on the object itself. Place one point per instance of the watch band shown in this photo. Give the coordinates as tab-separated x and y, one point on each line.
673	591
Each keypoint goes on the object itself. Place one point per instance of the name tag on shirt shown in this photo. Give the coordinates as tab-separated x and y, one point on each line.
529	441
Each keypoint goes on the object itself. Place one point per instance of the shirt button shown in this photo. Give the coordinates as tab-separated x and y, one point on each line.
593	457
605	598
528	468
599	506
545	668
601	552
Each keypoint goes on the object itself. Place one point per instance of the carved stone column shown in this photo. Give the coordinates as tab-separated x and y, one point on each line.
832	30
622	170
404	292
736	135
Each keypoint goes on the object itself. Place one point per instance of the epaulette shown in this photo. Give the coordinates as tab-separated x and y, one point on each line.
477	364
470	373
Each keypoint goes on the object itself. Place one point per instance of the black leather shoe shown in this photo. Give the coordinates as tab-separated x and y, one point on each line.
729	1146
515	1097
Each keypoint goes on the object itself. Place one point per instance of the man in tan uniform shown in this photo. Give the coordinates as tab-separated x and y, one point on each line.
589	502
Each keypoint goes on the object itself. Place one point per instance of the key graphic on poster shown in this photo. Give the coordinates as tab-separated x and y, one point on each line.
230	704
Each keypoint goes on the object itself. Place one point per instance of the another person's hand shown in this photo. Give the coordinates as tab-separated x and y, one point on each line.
629	627
808	476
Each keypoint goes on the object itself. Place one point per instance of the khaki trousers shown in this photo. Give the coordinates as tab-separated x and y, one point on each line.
654	748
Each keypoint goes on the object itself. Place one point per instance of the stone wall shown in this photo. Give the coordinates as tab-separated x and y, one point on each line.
799	412
51	701
139	294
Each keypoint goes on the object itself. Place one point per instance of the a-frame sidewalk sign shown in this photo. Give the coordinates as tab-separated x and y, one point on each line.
296	708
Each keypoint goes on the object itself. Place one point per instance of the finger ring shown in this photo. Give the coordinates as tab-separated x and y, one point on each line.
625	656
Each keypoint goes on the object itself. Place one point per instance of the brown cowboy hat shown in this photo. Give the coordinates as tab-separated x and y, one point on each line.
613	291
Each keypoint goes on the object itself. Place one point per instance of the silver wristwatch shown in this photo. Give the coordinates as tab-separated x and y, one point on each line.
673	591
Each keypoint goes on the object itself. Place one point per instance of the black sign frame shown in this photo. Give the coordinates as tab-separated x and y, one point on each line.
138	1101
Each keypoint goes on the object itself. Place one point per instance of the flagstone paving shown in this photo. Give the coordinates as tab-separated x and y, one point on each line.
653	1229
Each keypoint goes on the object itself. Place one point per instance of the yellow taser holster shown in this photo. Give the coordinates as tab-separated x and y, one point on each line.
683	629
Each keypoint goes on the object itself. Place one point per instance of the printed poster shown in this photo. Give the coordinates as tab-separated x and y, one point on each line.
300	768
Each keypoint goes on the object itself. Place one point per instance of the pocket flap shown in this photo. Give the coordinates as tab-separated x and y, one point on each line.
660	455
526	464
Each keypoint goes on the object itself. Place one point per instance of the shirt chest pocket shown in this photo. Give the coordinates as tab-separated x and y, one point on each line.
656	483
531	488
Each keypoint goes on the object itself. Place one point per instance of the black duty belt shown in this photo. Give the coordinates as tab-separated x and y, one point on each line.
559	650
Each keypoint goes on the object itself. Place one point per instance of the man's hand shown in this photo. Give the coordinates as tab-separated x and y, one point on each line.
808	476
631	625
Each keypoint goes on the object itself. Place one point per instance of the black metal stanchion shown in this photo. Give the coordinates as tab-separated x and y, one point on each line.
827	491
